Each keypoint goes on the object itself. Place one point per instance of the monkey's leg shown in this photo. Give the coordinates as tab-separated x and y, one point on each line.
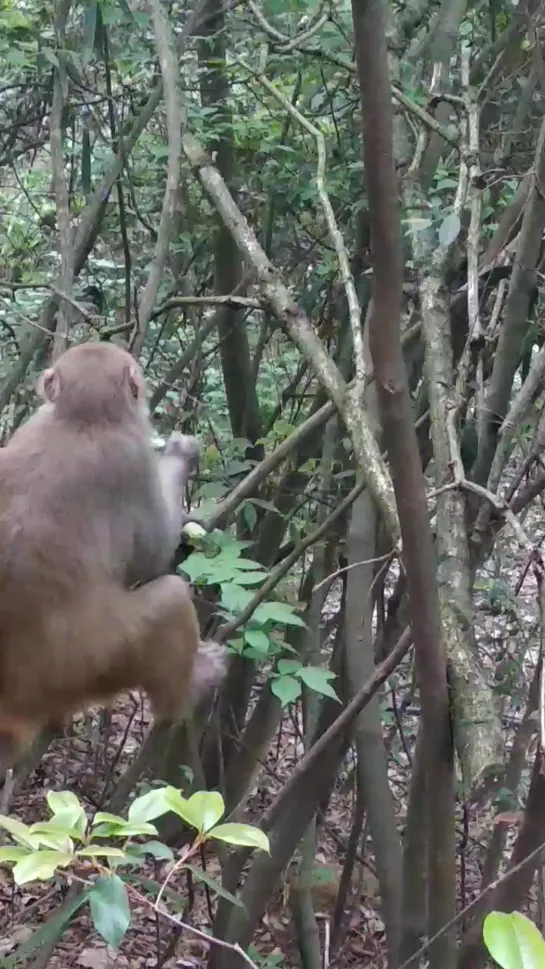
15	736
184	669
148	639
104	640
171	652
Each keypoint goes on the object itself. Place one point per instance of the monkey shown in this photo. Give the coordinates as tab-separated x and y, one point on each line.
89	522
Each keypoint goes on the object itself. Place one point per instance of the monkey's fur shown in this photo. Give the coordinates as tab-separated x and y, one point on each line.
86	512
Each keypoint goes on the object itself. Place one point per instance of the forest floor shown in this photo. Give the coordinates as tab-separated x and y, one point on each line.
76	764
506	627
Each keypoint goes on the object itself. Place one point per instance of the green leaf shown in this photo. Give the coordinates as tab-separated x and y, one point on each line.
59	825
244	835
59	802
196	566
279	612
99	851
203	876
234	597
449	229
222	572
317	679
241	564
12	853
258	640
514	941
209	805
251	578
53	837
178	805
19	832
106	831
133	858
128	830
287	666
149	806
62	824
111	824
110	910
40	866
14	20
202	810
103	817
286	688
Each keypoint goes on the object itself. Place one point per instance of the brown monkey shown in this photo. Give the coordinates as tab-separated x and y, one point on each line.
86	511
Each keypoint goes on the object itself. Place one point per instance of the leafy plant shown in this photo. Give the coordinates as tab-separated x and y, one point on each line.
68	841
224	566
287	682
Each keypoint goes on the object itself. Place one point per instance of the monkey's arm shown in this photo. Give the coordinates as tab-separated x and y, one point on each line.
175	467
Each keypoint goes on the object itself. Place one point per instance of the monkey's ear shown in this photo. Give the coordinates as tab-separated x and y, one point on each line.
132	376
48	385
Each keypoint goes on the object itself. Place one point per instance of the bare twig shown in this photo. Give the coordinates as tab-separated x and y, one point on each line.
336	236
286	43
354	565
60	340
164	40
474	241
227	300
541	601
299	328
283	567
91	215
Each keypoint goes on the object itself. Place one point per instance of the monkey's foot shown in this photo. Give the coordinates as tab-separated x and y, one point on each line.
209	670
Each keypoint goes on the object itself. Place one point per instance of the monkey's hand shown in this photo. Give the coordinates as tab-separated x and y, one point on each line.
209	670
185	447
175	467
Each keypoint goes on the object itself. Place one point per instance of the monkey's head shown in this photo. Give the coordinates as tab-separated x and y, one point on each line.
95	384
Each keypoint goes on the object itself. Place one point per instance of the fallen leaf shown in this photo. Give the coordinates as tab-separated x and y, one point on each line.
95	958
20	934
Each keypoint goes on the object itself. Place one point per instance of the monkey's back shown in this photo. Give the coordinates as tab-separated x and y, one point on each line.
71	507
